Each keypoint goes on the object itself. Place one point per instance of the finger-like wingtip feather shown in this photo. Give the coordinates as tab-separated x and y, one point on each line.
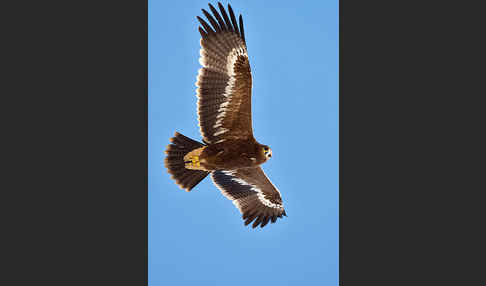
202	32
213	22
274	218
218	17
225	16
242	30
265	221
233	19
257	221
207	28
250	219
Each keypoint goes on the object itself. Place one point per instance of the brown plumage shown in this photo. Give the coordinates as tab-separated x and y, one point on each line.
230	154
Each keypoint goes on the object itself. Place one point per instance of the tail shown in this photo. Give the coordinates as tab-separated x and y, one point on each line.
174	162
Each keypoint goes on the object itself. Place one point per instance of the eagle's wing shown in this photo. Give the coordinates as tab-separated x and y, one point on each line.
224	81
252	193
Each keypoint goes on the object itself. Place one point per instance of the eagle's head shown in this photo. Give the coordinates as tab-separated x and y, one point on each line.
267	152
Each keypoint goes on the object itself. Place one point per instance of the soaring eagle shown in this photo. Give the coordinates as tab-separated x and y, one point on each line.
230	153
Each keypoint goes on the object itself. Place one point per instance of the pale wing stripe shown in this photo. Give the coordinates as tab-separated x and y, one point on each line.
258	191
260	194
222	44
229	70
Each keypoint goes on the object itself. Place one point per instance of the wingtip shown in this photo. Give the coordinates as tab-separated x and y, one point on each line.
220	6
265	221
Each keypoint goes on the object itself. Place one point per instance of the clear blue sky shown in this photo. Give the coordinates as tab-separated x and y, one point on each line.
199	238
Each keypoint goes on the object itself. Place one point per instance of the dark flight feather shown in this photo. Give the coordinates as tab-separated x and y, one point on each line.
257	221
242	32
251	192
215	25
222	25
202	32
265	221
225	17
207	28
233	19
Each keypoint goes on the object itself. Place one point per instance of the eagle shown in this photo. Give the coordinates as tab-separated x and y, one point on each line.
229	152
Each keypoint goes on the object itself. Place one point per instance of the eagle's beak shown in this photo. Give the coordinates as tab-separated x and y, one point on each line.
269	153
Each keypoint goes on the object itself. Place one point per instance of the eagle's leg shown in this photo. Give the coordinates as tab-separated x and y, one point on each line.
192	159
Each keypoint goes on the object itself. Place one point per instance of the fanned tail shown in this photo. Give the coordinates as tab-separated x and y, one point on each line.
174	161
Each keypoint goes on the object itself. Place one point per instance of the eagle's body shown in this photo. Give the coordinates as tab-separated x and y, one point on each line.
230	154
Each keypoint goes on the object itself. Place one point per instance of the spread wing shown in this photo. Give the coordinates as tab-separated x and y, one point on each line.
224	81
252	193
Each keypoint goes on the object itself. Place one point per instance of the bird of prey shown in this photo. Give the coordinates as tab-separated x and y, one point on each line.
229	153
